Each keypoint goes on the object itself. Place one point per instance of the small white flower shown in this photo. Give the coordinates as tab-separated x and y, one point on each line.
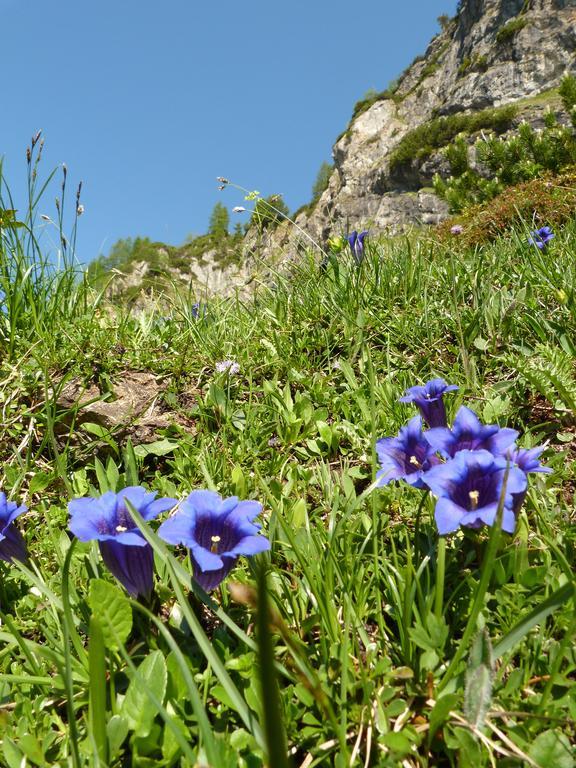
80	210
228	366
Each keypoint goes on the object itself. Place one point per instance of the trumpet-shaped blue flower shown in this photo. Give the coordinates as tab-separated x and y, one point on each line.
469	434
469	488
356	242
526	459
541	237
406	457
216	531
429	401
124	549
12	545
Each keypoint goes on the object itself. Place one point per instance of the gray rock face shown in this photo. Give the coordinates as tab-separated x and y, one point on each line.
493	53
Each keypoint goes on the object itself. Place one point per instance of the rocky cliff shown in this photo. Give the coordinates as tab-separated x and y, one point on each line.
493	53
495	64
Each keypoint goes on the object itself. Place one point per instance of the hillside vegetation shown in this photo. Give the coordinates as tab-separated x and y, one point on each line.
361	636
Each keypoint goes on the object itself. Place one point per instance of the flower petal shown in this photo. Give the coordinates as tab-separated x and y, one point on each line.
250	545
157	507
203	502
447	516
207	561
178	529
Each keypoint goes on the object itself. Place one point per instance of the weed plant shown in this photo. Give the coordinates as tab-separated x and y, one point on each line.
362	637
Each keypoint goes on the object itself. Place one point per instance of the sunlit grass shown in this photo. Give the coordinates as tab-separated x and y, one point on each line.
367	629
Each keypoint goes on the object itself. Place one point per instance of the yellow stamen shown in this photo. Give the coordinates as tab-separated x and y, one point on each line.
214	547
121	528
414	460
474	496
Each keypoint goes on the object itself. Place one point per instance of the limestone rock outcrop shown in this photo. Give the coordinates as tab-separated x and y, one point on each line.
492	53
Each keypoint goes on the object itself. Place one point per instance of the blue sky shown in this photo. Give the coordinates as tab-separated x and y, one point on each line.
148	102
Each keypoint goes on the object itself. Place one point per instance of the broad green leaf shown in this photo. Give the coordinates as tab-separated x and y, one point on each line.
552	749
170	746
478	695
299	514
112	474
145	692
481	652
112	608
30	745
441	711
479	675
157	448
116	730
14	758
239	481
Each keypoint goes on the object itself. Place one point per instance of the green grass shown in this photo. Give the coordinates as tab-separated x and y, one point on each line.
365	620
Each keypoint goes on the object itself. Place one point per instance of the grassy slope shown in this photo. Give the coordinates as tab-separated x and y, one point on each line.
366	633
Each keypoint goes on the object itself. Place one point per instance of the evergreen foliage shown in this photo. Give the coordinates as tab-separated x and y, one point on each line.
219	221
321	183
567	91
422	141
502	162
269	212
125	253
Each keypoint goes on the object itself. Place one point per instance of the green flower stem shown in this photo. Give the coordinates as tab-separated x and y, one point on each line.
486	574
440	576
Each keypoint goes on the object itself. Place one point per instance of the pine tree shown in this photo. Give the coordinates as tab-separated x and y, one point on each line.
322	179
219	221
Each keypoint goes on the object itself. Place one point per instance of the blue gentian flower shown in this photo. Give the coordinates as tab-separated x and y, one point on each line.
469	488
12	545
124	549
406	457
429	401
356	242
526	459
199	310
216	531
468	433
541	237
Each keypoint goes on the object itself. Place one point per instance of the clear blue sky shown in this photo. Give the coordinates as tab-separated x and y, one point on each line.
147	102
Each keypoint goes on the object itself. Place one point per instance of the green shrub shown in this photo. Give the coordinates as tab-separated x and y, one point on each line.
510	30
437	133
465	66
567	91
269	212
321	183
548	200
475	64
125	253
371	97
505	162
